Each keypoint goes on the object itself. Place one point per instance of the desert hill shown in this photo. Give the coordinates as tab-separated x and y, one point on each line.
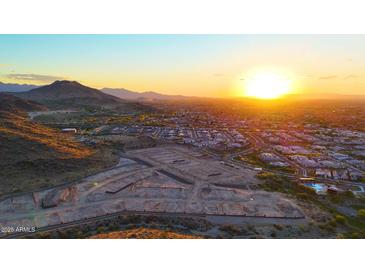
34	141
69	93
15	105
34	156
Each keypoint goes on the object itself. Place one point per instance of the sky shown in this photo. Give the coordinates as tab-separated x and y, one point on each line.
192	65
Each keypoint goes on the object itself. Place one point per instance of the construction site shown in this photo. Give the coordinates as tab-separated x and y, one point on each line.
168	179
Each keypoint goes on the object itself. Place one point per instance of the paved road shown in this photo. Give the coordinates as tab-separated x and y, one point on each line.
125	213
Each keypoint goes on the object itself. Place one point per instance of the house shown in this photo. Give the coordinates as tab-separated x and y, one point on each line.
269	157
324	173
343	174
279	164
339	156
303	161
69	130
355	175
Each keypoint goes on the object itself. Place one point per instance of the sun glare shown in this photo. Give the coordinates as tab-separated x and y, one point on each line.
267	85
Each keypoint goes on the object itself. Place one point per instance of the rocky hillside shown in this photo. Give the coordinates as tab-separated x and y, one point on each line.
14	104
34	156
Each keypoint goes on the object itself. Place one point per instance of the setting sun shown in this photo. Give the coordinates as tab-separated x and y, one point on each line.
267	85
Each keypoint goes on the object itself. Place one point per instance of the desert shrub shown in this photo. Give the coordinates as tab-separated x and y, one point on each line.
340	236
361	213
79	235
63	234
340	197
303	196
131	226
278	226
355	235
327	226
230	229
266	175
114	226
303	228
100	229
340	219
44	235
333	223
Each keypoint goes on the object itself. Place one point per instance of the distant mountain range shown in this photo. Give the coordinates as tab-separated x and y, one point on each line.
73	94
137	96
9	87
324	96
121	93
69	90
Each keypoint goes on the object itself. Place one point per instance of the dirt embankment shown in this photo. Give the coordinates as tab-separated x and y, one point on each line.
144	233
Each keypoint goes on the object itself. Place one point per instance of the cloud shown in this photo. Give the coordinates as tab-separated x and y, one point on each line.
218	75
329	77
351	76
34	77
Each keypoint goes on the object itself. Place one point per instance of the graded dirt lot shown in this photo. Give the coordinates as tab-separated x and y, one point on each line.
167	179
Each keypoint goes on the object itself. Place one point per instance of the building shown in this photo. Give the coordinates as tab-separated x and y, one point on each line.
69	130
324	173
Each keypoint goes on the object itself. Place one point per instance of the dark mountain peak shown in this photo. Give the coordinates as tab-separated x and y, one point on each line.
62	87
64	93
65	83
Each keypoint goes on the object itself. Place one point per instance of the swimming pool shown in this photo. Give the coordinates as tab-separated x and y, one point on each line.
317	187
